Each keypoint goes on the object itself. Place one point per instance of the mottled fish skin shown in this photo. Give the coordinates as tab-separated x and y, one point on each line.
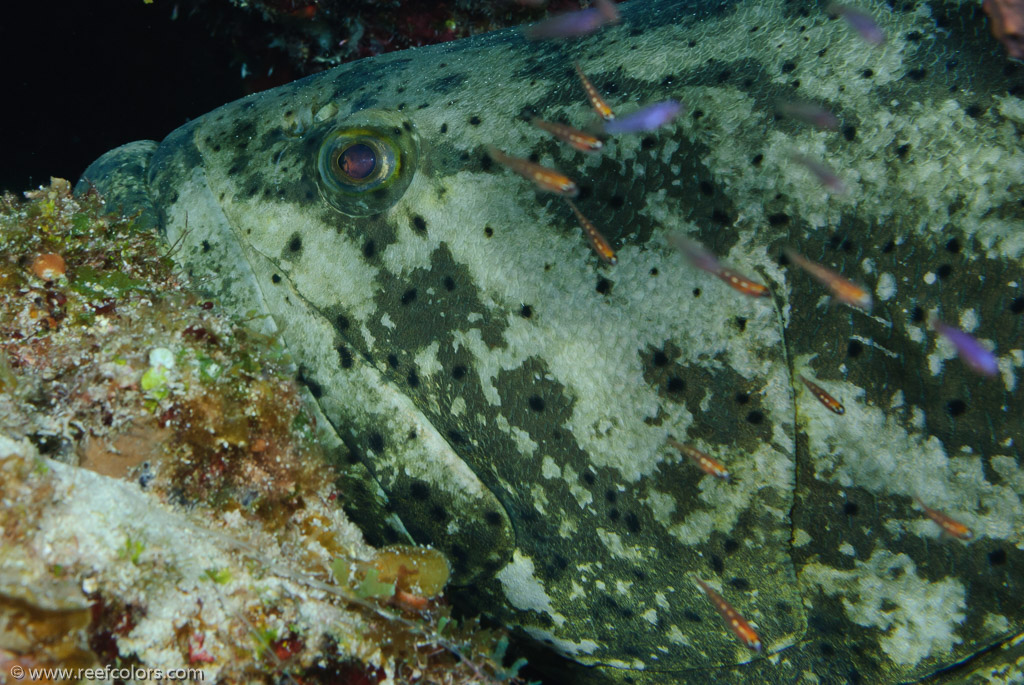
512	395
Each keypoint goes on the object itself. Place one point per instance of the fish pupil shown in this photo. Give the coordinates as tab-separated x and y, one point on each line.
358	161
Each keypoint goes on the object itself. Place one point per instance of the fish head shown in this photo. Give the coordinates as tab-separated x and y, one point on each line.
513	397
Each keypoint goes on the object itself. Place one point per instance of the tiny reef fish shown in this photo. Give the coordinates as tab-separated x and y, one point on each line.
1006	19
950	525
578	139
546	179
572	24
596	101
977	357
705	261
649	118
809	113
736	623
844	290
830	402
860	21
597	241
826	177
704	461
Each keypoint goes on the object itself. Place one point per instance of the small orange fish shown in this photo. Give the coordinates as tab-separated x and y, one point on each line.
951	526
830	402
578	139
704	260
704	461
845	291
736	623
741	283
546	179
597	241
599	105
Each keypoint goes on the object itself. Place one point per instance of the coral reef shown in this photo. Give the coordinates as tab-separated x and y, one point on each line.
279	40
165	502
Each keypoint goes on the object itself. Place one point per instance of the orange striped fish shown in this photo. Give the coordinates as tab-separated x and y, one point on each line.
704	461
597	241
845	291
701	258
736	623
546	179
578	139
830	402
950	525
599	105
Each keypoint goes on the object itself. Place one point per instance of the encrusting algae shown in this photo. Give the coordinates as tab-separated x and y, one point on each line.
165	502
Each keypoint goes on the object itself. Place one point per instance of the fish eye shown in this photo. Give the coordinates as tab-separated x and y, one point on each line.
365	164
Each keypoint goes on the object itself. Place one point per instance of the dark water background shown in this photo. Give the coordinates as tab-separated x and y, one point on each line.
81	77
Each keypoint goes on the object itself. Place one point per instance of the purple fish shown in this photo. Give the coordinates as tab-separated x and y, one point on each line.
809	113
972	352
825	176
647	118
572	24
861	22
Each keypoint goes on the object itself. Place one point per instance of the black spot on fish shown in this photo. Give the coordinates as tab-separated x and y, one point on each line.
526	312
345	356
419	490
902	151
457	437
741	584
917	315
692	616
851	508
369	249
854	348
974	111
488	231
1017	305
730	545
341	322
275	278
675	385
536	403
474	120
742	397
589	477
953	246
413	379
867	73
604	286
956	407
849	132
788	66
449	283
916	74
944	271
419	224
459	372
717	564
493	518
408	296
778	219
755	417
376	442
997	557
393	361
757	159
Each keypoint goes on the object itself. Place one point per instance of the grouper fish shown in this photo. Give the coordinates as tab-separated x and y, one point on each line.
495	389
